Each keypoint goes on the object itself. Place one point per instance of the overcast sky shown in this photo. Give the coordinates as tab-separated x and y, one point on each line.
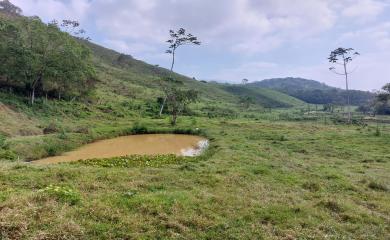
253	39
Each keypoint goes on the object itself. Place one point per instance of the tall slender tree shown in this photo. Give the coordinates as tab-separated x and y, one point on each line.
342	57
177	39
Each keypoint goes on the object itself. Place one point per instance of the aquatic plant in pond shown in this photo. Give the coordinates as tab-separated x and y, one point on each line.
135	161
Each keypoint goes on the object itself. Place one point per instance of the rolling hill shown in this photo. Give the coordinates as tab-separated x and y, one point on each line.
313	91
127	73
126	87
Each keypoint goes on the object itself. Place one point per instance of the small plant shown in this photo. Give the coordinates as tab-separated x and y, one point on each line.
311	186
139	128
51	128
377	132
8	155
282	138
62	135
134	161
377	186
62	193
331	205
2	141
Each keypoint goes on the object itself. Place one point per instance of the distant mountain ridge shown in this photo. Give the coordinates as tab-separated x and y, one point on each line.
314	92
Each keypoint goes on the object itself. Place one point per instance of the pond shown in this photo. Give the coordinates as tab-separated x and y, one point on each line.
146	144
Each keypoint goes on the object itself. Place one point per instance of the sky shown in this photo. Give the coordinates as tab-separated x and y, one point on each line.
252	39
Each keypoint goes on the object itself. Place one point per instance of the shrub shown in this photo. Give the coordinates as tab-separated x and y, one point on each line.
82	129
331	205
8	155
377	132
282	138
311	186
2	141
62	193
377	186
51	128
139	128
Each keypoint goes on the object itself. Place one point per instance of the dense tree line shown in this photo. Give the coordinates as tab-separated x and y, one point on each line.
315	92
38	59
332	96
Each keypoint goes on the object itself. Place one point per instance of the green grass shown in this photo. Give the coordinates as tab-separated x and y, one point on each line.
270	172
316	182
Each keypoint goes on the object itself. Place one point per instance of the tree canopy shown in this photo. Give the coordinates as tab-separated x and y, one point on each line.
39	59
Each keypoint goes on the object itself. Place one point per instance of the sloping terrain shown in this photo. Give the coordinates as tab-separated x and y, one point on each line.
264	97
314	92
129	77
15	123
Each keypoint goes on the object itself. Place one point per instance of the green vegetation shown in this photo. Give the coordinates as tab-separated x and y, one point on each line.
381	104
38	59
273	180
276	168
314	92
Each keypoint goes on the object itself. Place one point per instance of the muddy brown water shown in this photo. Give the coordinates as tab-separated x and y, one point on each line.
148	144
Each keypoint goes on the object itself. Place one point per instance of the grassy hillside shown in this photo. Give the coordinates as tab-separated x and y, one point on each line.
123	70
264	97
314	92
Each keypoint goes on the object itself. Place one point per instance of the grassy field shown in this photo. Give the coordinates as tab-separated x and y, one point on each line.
259	180
278	169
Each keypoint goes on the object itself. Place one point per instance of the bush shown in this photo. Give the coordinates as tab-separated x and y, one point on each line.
8	155
331	205
83	129
377	186
139	128
2	141
51	128
62	193
215	112
377	132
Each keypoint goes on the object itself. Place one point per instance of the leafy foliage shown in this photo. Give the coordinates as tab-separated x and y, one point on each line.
39	59
134	161
178	100
382	101
7	7
61	193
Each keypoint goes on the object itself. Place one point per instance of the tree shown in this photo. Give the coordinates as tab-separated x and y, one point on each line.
245	81
7	7
10	54
246	101
343	56
382	101
386	89
177	39
178	100
72	27
40	58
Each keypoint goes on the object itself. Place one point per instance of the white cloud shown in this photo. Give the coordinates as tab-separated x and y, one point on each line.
55	9
378	36
241	29
364	9
238	25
